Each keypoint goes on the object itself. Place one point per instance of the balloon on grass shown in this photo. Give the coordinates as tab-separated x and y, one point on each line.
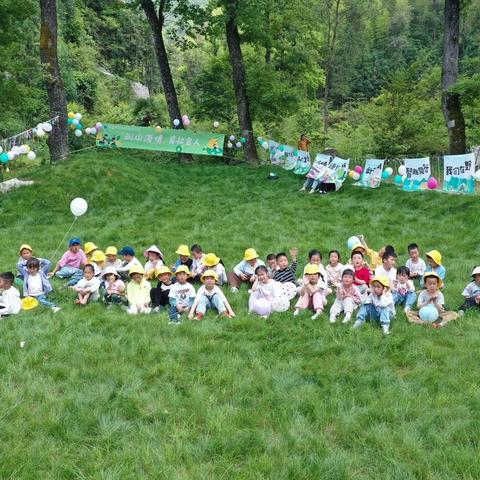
402	170
432	183
4	157
358	169
389	171
78	206
262	307
428	313
78	133
31	155
356	176
398	180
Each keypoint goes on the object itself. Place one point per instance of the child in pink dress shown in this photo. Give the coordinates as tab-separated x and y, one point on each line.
348	297
313	293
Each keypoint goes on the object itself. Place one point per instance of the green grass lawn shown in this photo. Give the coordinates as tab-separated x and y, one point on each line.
97	394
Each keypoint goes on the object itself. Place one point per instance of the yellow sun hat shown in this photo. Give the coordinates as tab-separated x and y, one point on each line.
381	279
211	260
89	247
209	273
311	269
162	270
184	269
25	247
435	255
111	251
250	254
136	269
98	256
29	303
435	275
183	250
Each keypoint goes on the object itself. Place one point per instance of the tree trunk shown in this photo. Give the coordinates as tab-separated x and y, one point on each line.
156	22
451	107
58	138
239	84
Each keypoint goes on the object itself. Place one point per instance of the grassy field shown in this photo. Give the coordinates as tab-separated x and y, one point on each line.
97	394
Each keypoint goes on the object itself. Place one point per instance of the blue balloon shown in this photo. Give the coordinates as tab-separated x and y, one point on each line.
4	157
385	175
428	313
398	180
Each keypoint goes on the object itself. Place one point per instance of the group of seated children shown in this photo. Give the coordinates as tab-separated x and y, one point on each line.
374	288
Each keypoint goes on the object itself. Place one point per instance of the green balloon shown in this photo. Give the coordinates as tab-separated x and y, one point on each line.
178	149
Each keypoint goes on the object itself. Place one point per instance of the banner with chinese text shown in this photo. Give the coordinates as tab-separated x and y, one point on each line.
459	173
417	173
372	173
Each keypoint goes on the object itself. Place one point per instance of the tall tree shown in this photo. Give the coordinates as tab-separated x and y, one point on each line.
156	19
58	138
239	80
451	106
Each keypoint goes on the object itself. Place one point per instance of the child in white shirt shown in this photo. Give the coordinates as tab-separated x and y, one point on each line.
181	296
403	290
471	293
87	288
198	258
10	303
36	284
415	264
387	269
334	269
348	297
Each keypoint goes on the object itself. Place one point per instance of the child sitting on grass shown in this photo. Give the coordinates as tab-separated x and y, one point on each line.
362	273
138	291
387	269
432	296
183	258
263	289
98	260
181	296
271	264
210	296
285	272
347	299
159	294
415	264
434	264
26	253
71	264
198	266
334	269
37	285
10	303
114	287
314	258
88	287
89	248
313	292
245	270
403	290
212	262
155	260
129	261
112	259
471	293
378	305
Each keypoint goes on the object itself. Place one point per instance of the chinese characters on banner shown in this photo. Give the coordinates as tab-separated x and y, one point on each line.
458	173
276	154
372	174
338	170
148	138
303	163
417	173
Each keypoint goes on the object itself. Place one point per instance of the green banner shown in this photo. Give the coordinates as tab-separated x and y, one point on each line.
163	140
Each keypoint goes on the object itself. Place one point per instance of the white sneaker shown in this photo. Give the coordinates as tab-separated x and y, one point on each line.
55	309
333	320
303	189
358	324
386	329
407	309
296	312
312	190
316	315
234	289
346	319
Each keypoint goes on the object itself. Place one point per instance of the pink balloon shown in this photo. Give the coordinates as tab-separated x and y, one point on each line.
358	169
186	122
262	306
432	183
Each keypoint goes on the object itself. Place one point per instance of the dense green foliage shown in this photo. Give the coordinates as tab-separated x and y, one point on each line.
98	394
382	61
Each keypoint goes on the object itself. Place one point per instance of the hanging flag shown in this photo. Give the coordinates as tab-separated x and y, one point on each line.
417	172
372	174
459	173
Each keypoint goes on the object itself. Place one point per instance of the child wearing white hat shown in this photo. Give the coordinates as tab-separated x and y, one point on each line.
471	293
155	259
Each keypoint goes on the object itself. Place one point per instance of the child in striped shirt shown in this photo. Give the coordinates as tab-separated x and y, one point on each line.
285	272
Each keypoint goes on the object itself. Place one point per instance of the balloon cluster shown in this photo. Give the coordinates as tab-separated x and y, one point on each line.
74	120
15	152
401	179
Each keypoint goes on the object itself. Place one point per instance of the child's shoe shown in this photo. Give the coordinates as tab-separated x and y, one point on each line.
358	324
347	318
386	329
332	319
55	309
316	315
234	289
296	312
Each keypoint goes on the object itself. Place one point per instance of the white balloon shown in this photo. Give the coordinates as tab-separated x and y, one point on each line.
47	127
78	133
356	176
78	116
176	122
231	138
216	124
1	149
75	122
404	178
280	304
78	206
477	175
24	149
40	132
10	155
16	150
229	145
402	170
87	130
238	144
31	155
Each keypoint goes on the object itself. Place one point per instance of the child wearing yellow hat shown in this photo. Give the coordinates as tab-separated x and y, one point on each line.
26	253
431	296
245	270
181	296
434	264
209	296
313	292
138	291
112	258
98	260
212	262
378	305
159	294
184	259
89	248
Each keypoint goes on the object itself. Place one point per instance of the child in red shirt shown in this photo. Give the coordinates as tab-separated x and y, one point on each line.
362	273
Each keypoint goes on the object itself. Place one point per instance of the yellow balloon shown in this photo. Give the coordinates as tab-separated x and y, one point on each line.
71	115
